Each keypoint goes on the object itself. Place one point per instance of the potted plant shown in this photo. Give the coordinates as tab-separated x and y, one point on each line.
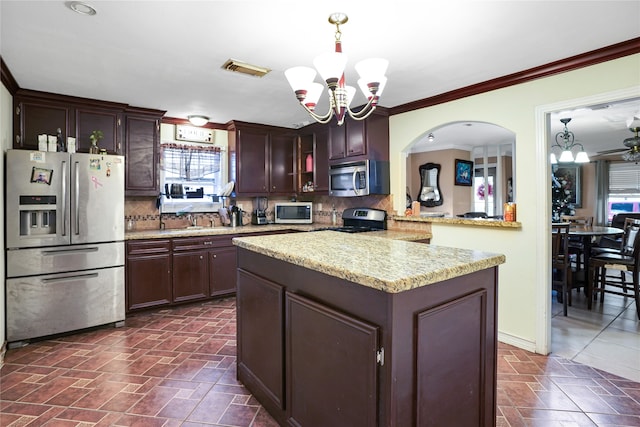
95	136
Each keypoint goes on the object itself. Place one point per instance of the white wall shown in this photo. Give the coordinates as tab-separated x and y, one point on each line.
6	130
523	300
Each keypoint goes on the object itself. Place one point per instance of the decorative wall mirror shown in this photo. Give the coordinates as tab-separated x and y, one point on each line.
430	193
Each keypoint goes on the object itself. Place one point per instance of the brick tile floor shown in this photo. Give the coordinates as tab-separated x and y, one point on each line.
176	367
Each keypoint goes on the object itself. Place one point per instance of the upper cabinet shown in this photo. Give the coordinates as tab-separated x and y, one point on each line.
360	139
312	160
107	120
261	159
142	144
39	113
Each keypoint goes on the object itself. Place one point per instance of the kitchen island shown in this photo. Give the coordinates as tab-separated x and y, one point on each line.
359	330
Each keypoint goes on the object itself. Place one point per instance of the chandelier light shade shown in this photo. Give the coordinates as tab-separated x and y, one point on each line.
331	67
197	120
565	142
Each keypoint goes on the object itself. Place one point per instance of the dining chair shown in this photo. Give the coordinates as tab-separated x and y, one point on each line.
561	264
627	260
576	247
624	247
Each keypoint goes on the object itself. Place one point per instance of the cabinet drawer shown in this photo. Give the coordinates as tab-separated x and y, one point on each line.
192	243
148	247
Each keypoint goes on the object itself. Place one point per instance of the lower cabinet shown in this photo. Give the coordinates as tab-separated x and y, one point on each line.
319	350
173	271
148	274
329	358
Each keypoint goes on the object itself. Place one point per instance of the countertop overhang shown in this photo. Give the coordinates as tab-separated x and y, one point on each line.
476	222
410	235
372	259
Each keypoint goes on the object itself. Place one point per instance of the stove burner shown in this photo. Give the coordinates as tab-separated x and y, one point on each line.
347	229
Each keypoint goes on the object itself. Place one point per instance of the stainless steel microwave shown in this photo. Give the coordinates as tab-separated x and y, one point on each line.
360	178
293	213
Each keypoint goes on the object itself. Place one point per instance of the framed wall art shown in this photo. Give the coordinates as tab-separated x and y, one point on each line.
568	178
463	172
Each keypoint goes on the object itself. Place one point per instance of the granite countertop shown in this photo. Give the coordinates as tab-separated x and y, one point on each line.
454	220
371	259
247	229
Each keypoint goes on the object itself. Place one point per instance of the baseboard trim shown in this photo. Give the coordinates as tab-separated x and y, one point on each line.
517	342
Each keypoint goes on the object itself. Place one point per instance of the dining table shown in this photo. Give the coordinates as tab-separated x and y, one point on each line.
586	234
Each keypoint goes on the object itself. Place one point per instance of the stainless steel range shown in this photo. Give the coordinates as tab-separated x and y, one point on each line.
358	220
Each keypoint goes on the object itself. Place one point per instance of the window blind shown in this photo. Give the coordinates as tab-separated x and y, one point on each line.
624	178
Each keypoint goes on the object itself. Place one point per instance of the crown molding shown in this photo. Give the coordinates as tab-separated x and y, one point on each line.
615	51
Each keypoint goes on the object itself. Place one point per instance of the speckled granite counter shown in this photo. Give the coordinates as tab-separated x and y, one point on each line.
371	260
409	235
477	222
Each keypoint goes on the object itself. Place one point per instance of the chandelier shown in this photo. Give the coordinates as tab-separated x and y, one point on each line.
633	143
331	68
565	142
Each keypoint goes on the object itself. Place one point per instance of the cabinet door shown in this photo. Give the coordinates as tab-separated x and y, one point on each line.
190	275
260	314
321	158
141	152
222	271
281	179
252	161
33	118
355	143
108	121
337	142
148	274
331	366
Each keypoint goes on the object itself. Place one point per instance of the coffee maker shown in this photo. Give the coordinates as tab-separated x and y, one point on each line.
259	214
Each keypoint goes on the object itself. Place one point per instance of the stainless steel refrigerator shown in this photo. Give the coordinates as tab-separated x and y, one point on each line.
64	241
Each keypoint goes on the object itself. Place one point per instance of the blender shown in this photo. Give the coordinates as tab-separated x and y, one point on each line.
259	214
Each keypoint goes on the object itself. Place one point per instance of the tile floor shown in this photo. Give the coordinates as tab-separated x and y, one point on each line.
176	367
606	337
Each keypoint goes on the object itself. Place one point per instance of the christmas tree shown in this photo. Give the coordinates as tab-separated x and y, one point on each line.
560	197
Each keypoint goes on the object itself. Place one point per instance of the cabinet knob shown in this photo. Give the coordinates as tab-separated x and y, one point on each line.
214	255
200	256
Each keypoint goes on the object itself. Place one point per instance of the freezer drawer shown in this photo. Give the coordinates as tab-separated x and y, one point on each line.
45	305
58	259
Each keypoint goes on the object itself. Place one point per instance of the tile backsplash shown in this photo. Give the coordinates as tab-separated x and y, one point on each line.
146	216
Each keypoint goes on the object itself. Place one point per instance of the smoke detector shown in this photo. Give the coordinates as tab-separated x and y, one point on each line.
244	68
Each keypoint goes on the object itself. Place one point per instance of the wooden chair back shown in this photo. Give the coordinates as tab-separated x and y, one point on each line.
560	244
580	221
629	238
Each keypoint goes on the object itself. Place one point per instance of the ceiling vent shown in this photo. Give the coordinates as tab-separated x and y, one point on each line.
244	68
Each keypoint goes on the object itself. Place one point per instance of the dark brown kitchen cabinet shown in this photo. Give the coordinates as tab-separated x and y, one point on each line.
148	274
350	360
261	159
43	113
109	121
190	268
317	386
222	271
360	139
141	148
261	349
316	145
203	267
36	116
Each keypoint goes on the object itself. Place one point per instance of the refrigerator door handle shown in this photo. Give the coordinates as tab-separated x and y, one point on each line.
70	251
68	278
64	198
77	197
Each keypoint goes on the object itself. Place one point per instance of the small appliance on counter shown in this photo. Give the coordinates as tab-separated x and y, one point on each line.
293	213
259	214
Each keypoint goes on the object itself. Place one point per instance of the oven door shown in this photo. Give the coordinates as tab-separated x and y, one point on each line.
348	180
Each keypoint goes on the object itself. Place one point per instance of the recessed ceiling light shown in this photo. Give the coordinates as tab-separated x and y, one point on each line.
82	8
